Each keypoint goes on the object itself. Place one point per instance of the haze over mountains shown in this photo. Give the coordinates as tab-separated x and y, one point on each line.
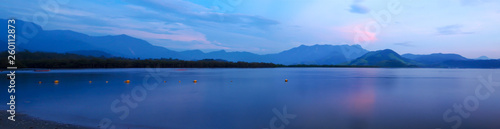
434	58
65	41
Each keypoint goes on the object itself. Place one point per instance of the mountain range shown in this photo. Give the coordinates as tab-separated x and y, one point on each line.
66	41
389	58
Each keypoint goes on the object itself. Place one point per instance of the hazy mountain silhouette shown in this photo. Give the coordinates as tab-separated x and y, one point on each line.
483	58
93	53
471	64
63	41
318	54
434	58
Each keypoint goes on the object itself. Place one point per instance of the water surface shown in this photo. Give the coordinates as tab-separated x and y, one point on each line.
343	98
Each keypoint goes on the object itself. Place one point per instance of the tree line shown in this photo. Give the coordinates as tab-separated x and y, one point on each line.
27	59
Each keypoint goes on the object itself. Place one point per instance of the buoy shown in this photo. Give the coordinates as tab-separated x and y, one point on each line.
231	80
286	80
90	81
195	81
127	81
164	81
39	82
56	81
179	81
106	81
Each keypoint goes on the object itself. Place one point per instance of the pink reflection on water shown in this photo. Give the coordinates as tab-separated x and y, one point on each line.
360	100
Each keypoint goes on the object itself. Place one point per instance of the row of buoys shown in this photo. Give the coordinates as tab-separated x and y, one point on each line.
128	81
57	81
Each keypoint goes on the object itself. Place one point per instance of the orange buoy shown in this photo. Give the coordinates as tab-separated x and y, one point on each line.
90	81
56	81
195	81
164	81
127	81
286	80
179	81
39	82
106	81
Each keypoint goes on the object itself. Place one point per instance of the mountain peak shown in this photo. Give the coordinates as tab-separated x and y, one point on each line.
318	54
355	46
482	58
387	50
382	58
195	50
329	45
121	36
219	51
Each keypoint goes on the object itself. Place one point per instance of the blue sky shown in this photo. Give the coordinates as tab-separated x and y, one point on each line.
468	27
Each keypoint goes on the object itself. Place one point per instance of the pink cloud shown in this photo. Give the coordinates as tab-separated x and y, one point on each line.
360	33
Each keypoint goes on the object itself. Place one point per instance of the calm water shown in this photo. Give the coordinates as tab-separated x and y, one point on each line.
343	98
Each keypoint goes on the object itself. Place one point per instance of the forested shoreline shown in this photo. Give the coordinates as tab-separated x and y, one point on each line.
27	59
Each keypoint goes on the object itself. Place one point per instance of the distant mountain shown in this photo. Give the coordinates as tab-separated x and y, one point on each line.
433	59
127	46
482	58
63	41
317	54
381	58
93	53
439	60
411	56
192	55
471	64
235	56
221	54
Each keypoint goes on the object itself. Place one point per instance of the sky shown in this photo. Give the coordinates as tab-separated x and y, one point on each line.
467	27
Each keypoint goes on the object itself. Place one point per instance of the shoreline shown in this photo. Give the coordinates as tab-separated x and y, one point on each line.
31	69
24	121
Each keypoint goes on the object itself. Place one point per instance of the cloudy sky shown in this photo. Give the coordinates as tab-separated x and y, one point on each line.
468	27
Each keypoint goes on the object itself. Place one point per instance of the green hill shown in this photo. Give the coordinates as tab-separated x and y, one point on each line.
382	58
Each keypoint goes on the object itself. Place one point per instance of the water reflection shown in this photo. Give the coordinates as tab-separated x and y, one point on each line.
360	103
